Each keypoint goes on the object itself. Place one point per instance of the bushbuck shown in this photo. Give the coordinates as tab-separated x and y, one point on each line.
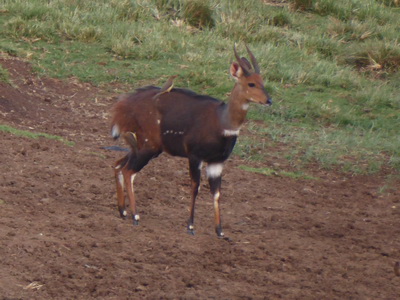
182	123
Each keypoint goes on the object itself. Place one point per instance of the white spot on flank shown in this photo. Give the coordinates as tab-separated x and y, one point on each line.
115	131
230	132
158	121
214	170
146	140
245	106
173	132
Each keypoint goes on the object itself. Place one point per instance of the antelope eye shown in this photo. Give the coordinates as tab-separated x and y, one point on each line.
251	84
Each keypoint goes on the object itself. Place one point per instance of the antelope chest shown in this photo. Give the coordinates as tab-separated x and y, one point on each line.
213	150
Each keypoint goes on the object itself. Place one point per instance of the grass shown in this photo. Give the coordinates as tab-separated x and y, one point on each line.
34	135
4	76
271	172
330	65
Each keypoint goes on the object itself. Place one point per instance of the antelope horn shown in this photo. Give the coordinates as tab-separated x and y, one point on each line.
253	61
240	61
247	63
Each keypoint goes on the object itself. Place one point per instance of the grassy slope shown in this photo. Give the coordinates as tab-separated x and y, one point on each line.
332	70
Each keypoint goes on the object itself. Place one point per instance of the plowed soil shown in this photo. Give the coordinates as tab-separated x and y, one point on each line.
333	237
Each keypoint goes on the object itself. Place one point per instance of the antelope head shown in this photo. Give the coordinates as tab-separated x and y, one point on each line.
248	79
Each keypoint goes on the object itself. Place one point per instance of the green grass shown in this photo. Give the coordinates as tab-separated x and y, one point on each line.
34	135
271	172
332	66
4	76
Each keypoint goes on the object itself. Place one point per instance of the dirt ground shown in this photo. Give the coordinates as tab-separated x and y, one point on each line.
335	237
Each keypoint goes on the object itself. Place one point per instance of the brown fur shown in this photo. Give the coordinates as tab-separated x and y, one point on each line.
183	123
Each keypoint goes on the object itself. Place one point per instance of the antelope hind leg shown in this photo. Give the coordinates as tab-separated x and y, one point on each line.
120	183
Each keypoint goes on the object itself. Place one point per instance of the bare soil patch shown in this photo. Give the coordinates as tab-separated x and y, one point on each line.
61	238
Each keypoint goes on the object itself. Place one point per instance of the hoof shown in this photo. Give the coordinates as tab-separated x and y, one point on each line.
136	219
221	235
123	213
190	229
219	232
226	239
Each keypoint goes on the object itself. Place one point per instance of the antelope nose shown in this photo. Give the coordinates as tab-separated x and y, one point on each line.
269	99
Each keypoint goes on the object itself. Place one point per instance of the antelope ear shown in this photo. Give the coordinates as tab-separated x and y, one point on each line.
236	71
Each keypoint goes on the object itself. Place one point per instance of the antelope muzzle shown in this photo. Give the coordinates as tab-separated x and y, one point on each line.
269	99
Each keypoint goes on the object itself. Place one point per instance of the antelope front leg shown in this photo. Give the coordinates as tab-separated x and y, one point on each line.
195	175
214	172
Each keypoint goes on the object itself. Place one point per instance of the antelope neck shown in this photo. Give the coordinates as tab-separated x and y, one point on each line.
235	111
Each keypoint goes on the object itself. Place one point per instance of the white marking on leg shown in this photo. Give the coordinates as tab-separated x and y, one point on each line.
200	165
121	179
191	227
132	179
216	199
230	132
216	205
124	213
214	170
115	132
135	217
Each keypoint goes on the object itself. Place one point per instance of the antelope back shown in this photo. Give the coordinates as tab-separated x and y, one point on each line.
187	119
